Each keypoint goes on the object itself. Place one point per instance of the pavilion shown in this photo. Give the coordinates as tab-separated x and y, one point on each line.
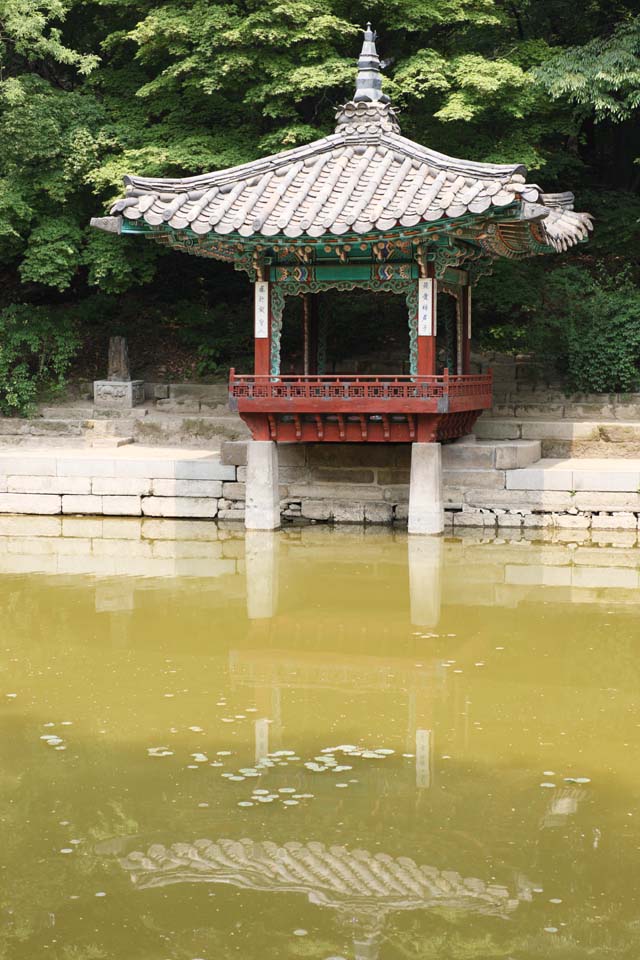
363	208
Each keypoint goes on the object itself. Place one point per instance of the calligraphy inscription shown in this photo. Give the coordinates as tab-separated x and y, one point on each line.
261	309
427	307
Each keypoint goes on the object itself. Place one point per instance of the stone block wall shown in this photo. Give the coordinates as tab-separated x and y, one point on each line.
489	485
350	483
567	437
69	482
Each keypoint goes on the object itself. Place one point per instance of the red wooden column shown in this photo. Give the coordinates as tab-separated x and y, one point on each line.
466	328
262	328
427	323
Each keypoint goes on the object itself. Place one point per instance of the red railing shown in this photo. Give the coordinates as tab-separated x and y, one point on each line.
367	387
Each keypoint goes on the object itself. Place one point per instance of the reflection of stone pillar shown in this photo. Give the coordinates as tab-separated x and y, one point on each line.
262	738
276	718
113	596
262	504
424	749
367	949
411	720
261	563
425	565
116	598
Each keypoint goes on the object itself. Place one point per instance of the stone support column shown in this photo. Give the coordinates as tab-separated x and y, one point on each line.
262	328
427	325
465	304
426	511
262	504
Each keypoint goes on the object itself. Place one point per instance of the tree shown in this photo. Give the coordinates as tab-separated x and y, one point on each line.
93	89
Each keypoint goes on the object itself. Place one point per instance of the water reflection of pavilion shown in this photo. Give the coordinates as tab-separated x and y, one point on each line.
362	888
271	672
425	559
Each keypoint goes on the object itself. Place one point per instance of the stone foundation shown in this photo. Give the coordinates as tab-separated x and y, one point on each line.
151	483
491	486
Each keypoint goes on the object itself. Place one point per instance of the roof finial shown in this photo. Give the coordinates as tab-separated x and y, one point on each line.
369	79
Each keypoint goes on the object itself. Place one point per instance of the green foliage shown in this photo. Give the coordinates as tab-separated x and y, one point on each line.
603	76
600	324
36	349
110	265
217	335
51	256
32	28
582	323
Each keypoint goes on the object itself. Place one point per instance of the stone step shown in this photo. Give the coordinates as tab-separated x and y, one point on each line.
78	412
487	455
577	438
109	428
158	430
26	442
206	392
63	412
187	405
142	426
41	427
549	406
106	441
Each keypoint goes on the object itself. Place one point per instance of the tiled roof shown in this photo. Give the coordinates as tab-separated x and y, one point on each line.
364	177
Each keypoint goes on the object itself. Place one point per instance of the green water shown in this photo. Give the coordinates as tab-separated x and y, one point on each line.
316	745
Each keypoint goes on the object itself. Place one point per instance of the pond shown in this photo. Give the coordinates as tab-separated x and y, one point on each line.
316	744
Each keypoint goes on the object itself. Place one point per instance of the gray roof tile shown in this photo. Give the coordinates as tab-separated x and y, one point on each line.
365	176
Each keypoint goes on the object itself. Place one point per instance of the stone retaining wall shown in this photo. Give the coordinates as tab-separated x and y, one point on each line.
165	484
567	438
485	485
369	484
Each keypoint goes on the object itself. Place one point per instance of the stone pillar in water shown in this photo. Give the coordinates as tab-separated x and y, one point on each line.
426	508
262	504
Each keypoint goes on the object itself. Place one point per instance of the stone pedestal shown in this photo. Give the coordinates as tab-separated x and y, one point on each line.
426	509
118	394
262	504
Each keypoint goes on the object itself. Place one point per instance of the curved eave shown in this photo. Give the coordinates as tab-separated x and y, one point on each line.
424	229
515	232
